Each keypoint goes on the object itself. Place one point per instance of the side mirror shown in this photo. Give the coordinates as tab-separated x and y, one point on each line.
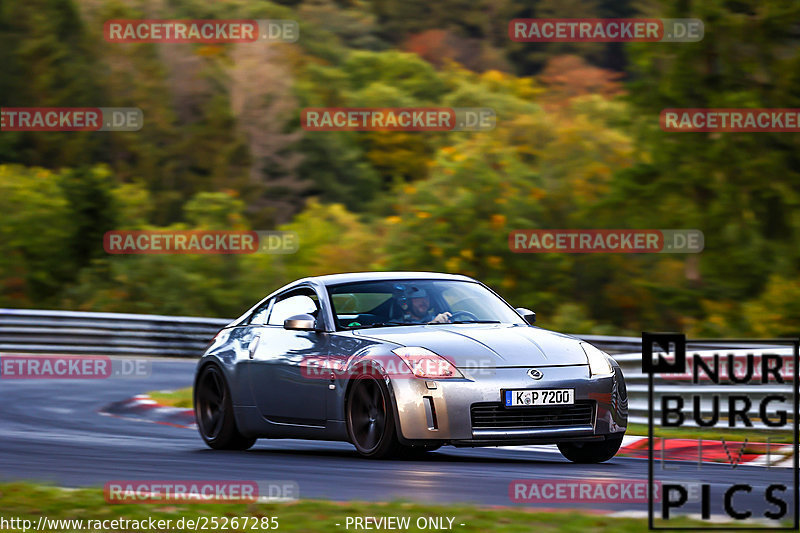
527	314
302	322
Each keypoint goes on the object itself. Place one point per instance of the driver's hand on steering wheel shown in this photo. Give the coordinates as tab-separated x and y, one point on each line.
441	318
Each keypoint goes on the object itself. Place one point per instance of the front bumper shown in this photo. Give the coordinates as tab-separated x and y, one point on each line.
441	410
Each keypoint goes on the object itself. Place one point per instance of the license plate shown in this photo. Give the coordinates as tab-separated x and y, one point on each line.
534	397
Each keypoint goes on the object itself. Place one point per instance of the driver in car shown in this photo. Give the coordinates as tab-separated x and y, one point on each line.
420	310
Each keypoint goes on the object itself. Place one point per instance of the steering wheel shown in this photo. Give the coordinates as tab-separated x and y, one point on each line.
464	313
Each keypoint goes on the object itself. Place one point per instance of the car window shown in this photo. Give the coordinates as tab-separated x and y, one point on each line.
355	303
459	299
259	316
397	302
296	304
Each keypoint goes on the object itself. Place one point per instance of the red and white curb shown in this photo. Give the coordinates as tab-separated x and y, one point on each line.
143	408
710	451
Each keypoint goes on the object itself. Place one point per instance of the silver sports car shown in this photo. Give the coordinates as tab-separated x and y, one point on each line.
400	363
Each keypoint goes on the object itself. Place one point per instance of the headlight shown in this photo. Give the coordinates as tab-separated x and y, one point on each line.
599	365
426	364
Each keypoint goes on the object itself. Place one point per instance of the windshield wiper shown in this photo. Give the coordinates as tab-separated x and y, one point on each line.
392	323
385	325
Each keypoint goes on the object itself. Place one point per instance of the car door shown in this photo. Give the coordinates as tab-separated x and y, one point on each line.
282	390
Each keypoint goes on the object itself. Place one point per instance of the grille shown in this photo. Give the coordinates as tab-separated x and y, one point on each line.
496	416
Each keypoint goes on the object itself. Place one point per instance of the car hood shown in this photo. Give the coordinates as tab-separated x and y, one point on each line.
487	345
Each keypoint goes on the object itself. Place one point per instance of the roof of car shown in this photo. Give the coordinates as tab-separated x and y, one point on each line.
334	279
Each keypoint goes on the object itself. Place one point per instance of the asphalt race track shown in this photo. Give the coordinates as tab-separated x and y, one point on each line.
50	431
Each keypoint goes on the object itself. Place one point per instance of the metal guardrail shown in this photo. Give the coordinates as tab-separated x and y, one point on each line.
76	332
39	331
626	345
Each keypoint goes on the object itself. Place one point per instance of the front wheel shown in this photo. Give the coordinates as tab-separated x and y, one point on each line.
590	452
370	418
213	410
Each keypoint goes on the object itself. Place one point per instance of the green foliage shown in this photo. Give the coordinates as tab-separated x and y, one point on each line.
575	318
777	311
36	226
214	210
574	147
331	240
48	61
88	194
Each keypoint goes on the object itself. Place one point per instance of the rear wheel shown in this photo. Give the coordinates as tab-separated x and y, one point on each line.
370	418
590	452
213	410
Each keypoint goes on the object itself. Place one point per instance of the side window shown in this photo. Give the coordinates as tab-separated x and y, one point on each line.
259	316
294	304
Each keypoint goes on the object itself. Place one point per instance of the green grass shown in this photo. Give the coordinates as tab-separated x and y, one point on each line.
730	435
176	398
29	501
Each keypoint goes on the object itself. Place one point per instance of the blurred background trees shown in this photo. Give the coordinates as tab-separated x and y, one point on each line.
577	145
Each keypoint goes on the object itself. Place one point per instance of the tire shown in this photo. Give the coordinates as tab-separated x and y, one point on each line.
213	411
370	418
590	452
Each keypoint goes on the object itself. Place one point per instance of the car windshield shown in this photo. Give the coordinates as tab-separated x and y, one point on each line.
403	302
